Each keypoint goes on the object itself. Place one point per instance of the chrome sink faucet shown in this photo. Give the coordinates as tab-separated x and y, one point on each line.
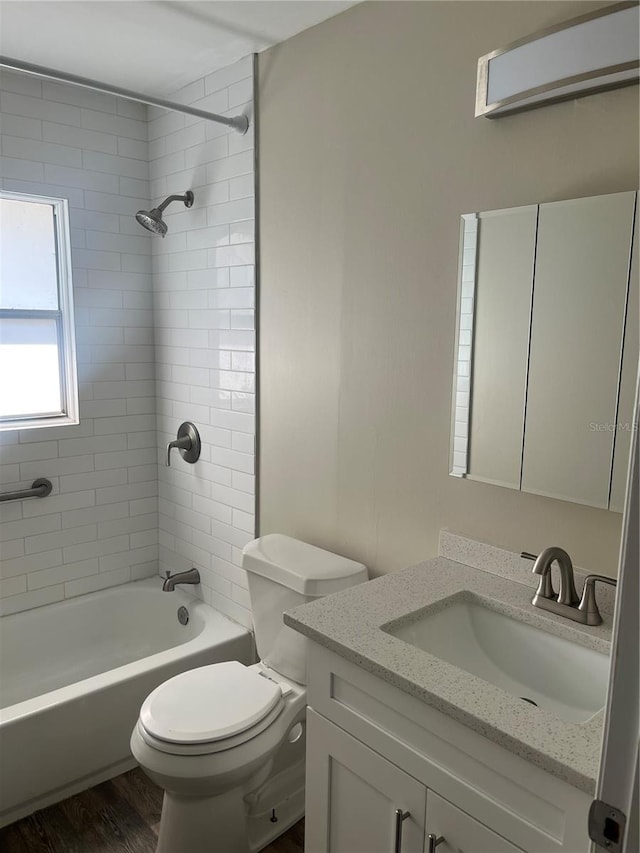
566	602
567	593
171	581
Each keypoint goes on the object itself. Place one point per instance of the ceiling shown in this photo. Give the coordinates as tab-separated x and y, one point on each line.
152	46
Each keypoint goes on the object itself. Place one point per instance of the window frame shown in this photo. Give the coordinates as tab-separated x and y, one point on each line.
63	316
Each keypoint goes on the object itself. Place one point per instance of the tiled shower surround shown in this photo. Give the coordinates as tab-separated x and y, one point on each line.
164	334
203	278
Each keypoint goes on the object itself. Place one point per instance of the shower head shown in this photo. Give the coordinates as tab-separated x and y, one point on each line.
152	219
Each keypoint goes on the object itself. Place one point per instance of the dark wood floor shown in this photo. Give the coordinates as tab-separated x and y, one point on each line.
119	816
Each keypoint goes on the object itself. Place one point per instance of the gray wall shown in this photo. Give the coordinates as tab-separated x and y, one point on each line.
369	153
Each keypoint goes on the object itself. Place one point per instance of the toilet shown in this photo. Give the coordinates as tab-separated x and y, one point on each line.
226	742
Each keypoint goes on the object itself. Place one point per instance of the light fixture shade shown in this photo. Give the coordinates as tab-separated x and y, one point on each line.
594	52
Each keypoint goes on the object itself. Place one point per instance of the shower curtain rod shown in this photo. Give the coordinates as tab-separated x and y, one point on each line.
239	123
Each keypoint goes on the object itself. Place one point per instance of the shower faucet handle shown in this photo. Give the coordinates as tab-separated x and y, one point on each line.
187	442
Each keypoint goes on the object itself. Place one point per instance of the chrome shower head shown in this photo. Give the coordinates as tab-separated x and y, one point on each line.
152	219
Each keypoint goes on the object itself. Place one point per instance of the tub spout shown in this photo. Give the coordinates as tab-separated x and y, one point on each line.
170	581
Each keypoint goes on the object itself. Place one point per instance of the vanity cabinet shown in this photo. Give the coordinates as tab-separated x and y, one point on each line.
373	749
356	793
460	831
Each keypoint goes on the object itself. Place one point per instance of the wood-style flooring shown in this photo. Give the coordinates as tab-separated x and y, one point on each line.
119	816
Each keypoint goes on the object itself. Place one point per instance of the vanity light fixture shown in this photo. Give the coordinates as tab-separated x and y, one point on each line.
592	53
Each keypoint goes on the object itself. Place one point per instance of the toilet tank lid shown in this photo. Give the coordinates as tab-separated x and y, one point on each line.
299	566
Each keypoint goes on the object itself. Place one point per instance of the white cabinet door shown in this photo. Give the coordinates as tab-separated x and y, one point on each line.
460	832
502	317
353	794
579	301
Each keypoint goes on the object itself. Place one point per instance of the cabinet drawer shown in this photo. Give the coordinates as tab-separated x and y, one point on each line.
461	833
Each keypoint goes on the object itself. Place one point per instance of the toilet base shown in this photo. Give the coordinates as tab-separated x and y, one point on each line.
203	824
233	822
262	831
282	798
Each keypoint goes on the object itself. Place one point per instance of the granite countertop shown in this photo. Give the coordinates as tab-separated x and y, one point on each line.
349	624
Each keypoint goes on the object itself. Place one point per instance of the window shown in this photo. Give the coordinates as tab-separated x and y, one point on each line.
38	385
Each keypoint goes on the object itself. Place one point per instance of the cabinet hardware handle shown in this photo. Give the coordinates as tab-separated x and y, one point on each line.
434	841
400	817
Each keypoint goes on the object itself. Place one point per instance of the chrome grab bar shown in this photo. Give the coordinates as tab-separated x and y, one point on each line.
40	488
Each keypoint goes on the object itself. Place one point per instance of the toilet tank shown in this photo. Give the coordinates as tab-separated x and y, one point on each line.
283	573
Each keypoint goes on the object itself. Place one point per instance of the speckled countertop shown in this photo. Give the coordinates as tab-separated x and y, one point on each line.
349	623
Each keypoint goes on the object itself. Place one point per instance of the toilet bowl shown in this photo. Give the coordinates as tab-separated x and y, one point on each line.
208	767
226	742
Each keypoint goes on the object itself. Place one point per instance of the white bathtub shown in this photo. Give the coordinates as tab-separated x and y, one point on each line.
74	674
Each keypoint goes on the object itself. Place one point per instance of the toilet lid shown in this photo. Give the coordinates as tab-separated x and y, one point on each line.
209	703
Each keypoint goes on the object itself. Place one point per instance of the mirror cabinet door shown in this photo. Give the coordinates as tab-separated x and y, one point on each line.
505	257
579	301
551	320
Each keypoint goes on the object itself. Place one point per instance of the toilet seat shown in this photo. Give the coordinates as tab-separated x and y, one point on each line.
209	709
210	747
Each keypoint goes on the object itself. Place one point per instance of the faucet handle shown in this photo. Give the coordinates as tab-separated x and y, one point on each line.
188	441
588	604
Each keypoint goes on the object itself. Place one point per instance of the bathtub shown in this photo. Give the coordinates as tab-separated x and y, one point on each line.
74	674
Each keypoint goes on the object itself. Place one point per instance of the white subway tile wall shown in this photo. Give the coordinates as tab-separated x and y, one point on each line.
86	535
204	280
164	334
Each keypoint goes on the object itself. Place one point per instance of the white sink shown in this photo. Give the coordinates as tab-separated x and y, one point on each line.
551	672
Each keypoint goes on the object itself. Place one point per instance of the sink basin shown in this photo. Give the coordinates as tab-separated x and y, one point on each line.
551	672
